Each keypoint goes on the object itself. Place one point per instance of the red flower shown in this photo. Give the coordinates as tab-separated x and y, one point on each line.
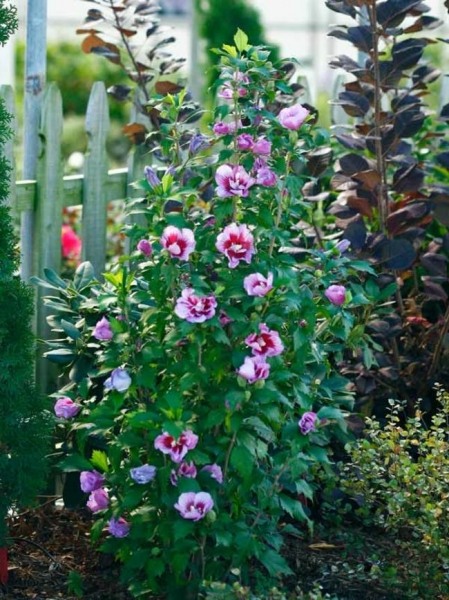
70	243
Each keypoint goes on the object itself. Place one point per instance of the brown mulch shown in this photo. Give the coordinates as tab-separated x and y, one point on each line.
48	544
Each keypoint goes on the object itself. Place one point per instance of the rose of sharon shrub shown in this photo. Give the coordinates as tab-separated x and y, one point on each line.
192	407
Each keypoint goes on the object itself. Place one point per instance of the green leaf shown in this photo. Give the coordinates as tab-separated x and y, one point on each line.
52	277
99	459
83	276
74	462
70	329
241	40
61	356
293	507
242	461
231	50
274	563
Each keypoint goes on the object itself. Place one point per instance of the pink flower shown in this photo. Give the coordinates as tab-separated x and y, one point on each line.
262	146
71	244
222	128
336	294
180	243
90	481
265	343
102	330
245	141
233	180
214	471
224	319
227	91
195	309
258	285
266	177
254	368
236	243
119	528
145	247
293	116
98	500
65	408
176	448
194	506
307	422
187	470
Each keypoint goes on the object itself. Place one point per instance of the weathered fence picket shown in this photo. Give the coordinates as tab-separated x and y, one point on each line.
95	175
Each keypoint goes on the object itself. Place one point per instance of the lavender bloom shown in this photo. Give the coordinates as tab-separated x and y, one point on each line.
197	143
143	474
119	380
215	472
102	330
254	368
293	116
151	177
343	245
90	481
118	528
307	422
187	470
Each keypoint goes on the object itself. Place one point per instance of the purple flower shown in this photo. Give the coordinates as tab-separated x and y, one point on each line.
194	506
98	500
65	408
176	448
215	472
193	308
145	247
265	343
197	143
224	318
187	470
222	128
180	243
266	177
232	180
151	177
254	368
293	116
119	380
336	294
343	245
102	330
258	285
119	528
143	474
307	422
90	481
236	242
245	141
262	146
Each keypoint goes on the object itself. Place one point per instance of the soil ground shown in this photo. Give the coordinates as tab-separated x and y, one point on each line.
49	544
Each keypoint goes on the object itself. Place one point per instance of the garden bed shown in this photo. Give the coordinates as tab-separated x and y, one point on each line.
352	563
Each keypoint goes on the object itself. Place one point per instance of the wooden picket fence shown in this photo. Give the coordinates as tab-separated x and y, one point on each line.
46	197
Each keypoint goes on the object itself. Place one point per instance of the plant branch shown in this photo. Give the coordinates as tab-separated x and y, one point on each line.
381	166
119	28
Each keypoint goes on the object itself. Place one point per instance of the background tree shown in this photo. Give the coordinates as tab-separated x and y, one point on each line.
24	423
218	24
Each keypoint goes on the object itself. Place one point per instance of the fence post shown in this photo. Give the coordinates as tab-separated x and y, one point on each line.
48	214
95	178
35	66
7	94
